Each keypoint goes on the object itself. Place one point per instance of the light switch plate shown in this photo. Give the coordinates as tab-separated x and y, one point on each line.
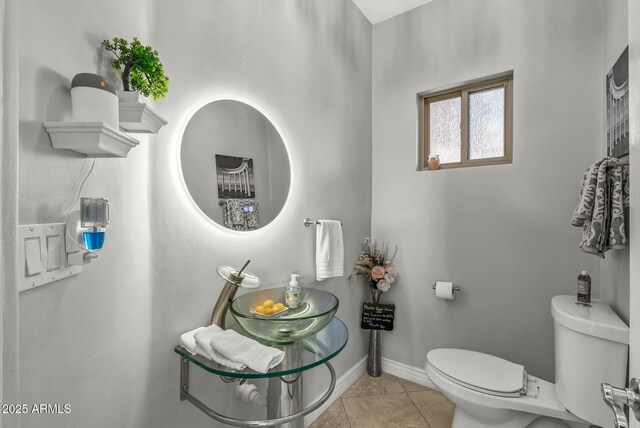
49	240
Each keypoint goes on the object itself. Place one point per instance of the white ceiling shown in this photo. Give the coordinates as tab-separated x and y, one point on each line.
379	10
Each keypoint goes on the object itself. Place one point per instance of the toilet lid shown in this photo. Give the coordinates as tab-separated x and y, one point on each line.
478	371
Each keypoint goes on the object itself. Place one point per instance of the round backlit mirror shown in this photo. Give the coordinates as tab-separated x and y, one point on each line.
235	165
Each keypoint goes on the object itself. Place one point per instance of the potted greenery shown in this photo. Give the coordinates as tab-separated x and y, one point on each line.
139	66
142	72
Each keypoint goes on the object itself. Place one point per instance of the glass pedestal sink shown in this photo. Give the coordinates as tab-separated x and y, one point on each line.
316	310
285	407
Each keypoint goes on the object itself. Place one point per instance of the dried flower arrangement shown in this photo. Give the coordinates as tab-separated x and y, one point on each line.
376	266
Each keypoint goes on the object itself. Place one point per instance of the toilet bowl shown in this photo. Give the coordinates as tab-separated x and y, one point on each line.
591	346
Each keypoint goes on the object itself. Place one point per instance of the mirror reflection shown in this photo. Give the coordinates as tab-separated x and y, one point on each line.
235	165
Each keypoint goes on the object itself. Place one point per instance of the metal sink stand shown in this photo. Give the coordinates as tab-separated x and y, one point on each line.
284	400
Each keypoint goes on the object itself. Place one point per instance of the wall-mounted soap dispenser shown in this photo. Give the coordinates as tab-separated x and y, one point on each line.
86	230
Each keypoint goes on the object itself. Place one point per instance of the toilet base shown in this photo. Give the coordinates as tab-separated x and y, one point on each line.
462	419
507	419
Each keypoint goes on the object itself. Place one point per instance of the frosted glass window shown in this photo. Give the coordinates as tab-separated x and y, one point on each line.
468	125
486	123
444	129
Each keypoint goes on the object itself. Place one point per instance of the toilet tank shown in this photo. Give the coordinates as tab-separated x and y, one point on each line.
591	347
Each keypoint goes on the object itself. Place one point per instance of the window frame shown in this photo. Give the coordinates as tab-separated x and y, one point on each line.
462	91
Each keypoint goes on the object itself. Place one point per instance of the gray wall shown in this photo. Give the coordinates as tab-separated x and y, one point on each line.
86	340
500	232
103	341
307	65
614	280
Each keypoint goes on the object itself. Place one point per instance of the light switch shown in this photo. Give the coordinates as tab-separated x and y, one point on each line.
43	252
53	252
33	265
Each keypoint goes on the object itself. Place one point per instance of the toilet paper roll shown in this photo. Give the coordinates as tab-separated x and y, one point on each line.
444	290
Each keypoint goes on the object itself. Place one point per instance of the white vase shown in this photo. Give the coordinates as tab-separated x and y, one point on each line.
131	97
93	100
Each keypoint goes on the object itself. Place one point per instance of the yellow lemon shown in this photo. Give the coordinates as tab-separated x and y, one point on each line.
267	311
268	303
278	307
260	309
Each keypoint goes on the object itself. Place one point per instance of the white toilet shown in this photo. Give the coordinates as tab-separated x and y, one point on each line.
591	346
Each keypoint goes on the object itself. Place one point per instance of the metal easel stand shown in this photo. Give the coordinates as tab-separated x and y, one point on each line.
284	400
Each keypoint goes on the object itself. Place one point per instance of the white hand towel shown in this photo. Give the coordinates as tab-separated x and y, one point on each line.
203	340
247	351
188	342
329	250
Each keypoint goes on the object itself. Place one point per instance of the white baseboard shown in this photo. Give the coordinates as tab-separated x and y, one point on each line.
342	384
414	374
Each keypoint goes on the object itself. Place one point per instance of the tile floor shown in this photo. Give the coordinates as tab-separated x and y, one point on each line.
387	402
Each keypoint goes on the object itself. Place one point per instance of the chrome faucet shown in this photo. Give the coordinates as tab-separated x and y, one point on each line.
616	398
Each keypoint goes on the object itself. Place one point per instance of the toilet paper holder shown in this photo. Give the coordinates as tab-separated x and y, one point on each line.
455	288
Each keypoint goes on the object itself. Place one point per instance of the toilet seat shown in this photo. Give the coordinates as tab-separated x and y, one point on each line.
541	399
480	372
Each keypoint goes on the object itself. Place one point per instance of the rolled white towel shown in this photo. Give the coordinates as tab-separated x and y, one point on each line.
239	348
203	339
188	342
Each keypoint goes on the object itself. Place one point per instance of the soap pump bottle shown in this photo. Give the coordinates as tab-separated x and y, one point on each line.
292	293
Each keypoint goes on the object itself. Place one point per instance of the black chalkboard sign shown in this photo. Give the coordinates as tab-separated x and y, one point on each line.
377	316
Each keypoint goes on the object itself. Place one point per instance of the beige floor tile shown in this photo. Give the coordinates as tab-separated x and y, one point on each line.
410	386
367	385
383	411
435	407
334	417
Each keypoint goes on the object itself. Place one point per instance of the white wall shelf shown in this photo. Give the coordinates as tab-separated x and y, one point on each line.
94	139
136	116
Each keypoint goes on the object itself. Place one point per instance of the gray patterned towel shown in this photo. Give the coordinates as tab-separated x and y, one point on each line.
240	214
604	192
586	196
619	196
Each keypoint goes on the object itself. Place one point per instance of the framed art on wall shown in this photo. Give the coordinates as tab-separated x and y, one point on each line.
235	177
617	82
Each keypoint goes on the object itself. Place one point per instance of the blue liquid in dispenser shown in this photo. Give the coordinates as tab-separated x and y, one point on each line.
93	240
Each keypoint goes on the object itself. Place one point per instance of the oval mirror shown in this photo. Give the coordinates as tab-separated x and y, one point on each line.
235	165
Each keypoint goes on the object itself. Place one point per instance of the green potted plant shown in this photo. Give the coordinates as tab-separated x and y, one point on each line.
139	67
142	72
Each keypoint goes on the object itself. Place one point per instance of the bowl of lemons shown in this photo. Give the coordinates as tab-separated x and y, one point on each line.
263	313
269	308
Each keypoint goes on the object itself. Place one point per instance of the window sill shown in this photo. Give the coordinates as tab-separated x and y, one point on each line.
469	164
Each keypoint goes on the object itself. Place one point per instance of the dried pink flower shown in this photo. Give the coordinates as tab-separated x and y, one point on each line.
391	270
377	272
383	286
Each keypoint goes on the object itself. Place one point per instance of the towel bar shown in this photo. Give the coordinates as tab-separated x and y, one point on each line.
308	222
619	163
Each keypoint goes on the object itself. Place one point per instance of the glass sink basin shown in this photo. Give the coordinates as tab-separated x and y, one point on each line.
316	310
